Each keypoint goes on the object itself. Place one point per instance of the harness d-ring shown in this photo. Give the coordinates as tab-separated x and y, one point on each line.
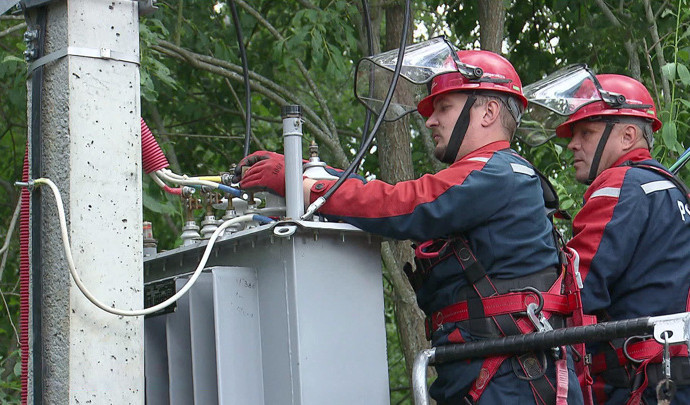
627	355
540	298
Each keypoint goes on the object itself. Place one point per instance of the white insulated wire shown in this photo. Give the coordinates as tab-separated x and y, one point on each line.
177	179
157	179
122	312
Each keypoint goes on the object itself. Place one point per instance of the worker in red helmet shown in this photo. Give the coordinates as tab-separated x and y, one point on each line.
483	235
631	236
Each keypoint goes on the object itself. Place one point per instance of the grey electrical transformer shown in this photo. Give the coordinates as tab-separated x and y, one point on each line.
287	313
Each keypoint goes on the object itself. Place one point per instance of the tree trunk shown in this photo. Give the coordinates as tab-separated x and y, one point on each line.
395	160
492	17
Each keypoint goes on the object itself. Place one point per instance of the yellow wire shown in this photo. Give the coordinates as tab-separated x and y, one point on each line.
210	178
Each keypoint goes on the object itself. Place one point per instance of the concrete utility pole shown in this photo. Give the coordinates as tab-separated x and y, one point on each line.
91	148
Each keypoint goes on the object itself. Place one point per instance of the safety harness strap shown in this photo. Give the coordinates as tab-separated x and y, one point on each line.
638	352
669	176
476	276
503	304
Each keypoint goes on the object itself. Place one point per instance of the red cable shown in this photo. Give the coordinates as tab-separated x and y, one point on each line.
151	154
176	191
24	278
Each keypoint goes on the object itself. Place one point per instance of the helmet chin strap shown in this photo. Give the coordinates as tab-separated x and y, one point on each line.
594	168
459	131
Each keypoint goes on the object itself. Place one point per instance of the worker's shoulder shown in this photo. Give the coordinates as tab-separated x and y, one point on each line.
510	160
631	175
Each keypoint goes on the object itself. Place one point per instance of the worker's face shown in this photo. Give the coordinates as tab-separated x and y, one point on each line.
447	108
586	136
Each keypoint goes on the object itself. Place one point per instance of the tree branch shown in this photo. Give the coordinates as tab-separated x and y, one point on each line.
654	32
243	114
12	29
651	72
308	4
195	61
633	58
160	126
252	75
305	73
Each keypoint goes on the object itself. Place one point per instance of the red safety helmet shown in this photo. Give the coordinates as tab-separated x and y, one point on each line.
612	87
499	75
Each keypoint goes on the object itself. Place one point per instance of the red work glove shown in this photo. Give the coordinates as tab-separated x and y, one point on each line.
267	173
251	160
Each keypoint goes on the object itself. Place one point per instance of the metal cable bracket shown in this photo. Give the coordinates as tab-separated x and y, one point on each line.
100	53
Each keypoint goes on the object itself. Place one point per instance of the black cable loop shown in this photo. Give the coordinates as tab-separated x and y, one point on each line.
245	74
386	103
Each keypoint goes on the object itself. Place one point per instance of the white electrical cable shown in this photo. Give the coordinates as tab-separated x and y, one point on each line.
185	181
140	312
157	179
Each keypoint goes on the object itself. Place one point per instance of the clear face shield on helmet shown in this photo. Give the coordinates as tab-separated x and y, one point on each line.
553	99
421	63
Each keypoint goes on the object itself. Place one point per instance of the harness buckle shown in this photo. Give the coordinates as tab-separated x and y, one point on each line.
529	367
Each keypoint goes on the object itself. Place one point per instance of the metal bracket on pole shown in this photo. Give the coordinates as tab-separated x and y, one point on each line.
102	53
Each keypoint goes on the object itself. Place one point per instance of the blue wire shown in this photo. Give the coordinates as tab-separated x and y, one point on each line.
262	219
231	190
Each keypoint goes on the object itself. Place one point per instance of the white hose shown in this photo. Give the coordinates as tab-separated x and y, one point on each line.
157	179
140	312
177	179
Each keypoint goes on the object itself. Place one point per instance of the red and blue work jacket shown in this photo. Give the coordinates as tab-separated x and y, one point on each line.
493	198
633	236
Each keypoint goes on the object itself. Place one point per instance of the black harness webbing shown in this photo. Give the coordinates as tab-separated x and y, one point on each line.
476	276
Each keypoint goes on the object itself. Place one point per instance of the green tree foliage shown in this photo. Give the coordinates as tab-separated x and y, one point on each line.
12	146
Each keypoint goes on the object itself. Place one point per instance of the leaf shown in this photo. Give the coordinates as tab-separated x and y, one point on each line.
567	204
12	58
669	70
669	134
160	208
683	74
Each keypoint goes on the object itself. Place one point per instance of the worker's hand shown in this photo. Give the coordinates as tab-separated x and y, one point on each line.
266	174
251	160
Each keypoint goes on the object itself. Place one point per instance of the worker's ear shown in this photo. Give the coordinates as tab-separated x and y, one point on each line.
631	135
491	113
